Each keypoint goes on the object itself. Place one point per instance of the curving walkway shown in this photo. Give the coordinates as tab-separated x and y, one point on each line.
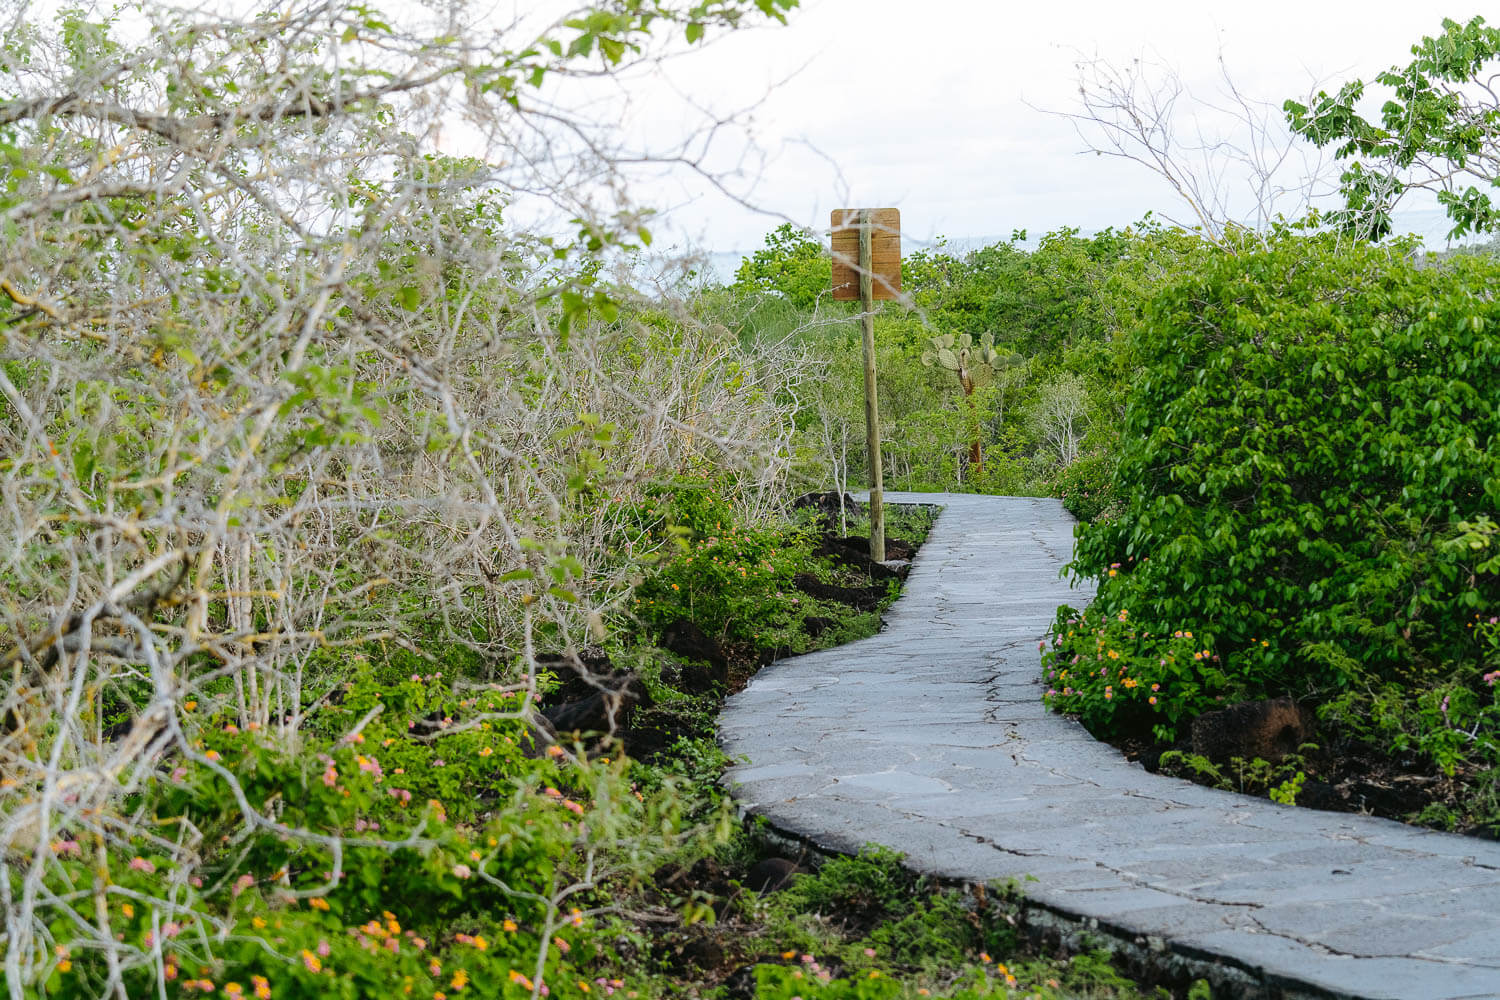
930	738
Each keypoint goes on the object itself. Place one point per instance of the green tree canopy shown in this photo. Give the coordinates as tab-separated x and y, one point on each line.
1439	131
791	264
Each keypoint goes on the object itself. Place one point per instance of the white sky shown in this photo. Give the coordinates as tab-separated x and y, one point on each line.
930	106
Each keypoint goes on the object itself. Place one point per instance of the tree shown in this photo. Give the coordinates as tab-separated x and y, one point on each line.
1228	158
1058	416
1439	132
791	264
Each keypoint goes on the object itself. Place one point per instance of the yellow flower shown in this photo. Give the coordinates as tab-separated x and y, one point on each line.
318	903
509	925
128	910
480	943
460	980
64	966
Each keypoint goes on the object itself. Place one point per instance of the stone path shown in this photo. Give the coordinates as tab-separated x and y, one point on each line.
930	738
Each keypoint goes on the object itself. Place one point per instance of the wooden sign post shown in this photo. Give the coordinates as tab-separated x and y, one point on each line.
867	257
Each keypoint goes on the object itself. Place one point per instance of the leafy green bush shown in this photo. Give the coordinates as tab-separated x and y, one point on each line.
1120	678
1088	488
1314	421
733	580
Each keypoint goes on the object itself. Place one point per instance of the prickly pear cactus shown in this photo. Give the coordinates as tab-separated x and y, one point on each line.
970	362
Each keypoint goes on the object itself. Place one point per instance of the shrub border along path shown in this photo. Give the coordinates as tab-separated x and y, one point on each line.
931	739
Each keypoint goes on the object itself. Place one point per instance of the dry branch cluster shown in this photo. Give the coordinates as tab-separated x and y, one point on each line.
278	381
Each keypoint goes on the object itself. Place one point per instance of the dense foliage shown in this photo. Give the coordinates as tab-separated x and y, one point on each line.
1313	437
1044	387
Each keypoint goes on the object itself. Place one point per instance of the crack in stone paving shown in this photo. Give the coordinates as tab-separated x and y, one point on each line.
908	737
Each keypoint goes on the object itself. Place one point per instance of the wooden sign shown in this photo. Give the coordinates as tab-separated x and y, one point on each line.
885	253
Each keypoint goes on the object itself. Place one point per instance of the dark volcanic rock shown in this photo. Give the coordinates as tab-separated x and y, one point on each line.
771	874
855	552
601	712
594	696
1269	729
895	548
690	642
863	598
816	626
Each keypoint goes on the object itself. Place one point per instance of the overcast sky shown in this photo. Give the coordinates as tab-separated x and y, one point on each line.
933	106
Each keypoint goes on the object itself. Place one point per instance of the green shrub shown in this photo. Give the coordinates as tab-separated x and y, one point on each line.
362	886
1088	488
1119	677
733	580
1314	421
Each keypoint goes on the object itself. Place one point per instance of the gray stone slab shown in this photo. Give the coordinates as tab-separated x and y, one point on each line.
930	738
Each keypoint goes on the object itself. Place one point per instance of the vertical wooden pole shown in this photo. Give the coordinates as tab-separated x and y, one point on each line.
872	402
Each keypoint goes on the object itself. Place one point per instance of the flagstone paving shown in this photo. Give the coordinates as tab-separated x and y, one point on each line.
931	739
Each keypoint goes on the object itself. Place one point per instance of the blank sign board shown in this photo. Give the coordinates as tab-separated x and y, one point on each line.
885	253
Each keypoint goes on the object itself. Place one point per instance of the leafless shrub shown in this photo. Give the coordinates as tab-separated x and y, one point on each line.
1229	158
277	381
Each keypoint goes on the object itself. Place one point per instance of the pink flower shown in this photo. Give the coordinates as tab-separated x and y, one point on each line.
462	871
323	948
142	865
242	883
